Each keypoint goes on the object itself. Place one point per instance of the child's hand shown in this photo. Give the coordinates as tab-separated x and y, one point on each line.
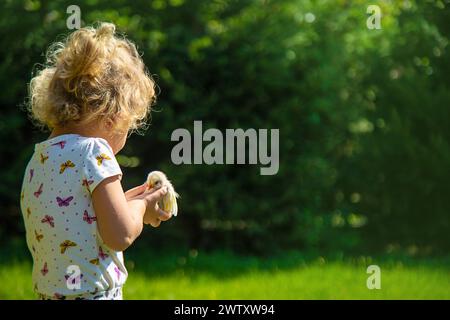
136	191
153	214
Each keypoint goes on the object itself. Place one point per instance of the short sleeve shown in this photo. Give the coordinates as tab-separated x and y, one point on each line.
99	163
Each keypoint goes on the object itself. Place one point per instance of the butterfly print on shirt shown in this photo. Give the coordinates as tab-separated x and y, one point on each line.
44	269
43	158
38	236
88	218
86	183
101	158
64	202
31	174
101	254
48	219
66	165
59	296
39	191
60	143
118	273
74	280
66	244
28	212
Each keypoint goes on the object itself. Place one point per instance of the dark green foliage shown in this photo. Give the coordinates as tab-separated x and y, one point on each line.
363	117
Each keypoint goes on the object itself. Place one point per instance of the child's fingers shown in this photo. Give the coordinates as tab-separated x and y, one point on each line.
164	216
155	223
136	191
151	190
159	193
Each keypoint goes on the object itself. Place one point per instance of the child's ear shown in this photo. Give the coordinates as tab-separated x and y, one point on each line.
109	124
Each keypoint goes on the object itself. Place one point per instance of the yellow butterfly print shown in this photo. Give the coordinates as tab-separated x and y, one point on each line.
95	261
43	158
65	165
38	236
102	157
66	244
28	212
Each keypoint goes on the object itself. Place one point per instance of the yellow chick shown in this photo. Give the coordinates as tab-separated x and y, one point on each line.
157	179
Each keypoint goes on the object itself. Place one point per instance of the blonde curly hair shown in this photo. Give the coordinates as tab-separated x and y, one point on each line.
93	75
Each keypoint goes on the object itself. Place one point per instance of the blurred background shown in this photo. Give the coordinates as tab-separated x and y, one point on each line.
364	119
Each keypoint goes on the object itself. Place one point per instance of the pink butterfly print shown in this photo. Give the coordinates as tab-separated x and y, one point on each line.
101	254
48	219
87	183
74	280
44	269
59	296
118	273
60	143
39	191
88	218
31	174
64	202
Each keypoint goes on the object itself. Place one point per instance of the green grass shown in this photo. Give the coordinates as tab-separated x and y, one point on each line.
223	275
331	281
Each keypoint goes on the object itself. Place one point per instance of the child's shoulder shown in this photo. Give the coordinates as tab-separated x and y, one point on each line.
94	144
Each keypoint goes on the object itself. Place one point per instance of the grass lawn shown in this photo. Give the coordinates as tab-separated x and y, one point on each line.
226	276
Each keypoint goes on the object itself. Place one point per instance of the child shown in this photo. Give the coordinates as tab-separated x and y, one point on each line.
92	93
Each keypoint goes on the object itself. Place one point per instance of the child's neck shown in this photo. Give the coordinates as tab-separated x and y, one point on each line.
94	130
85	131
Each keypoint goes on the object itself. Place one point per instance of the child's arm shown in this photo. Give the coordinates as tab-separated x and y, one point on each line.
120	221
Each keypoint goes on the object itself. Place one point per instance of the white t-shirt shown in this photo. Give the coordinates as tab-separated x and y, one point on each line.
69	257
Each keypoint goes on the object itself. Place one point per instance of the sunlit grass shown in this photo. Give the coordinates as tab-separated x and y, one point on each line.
226	276
330	281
